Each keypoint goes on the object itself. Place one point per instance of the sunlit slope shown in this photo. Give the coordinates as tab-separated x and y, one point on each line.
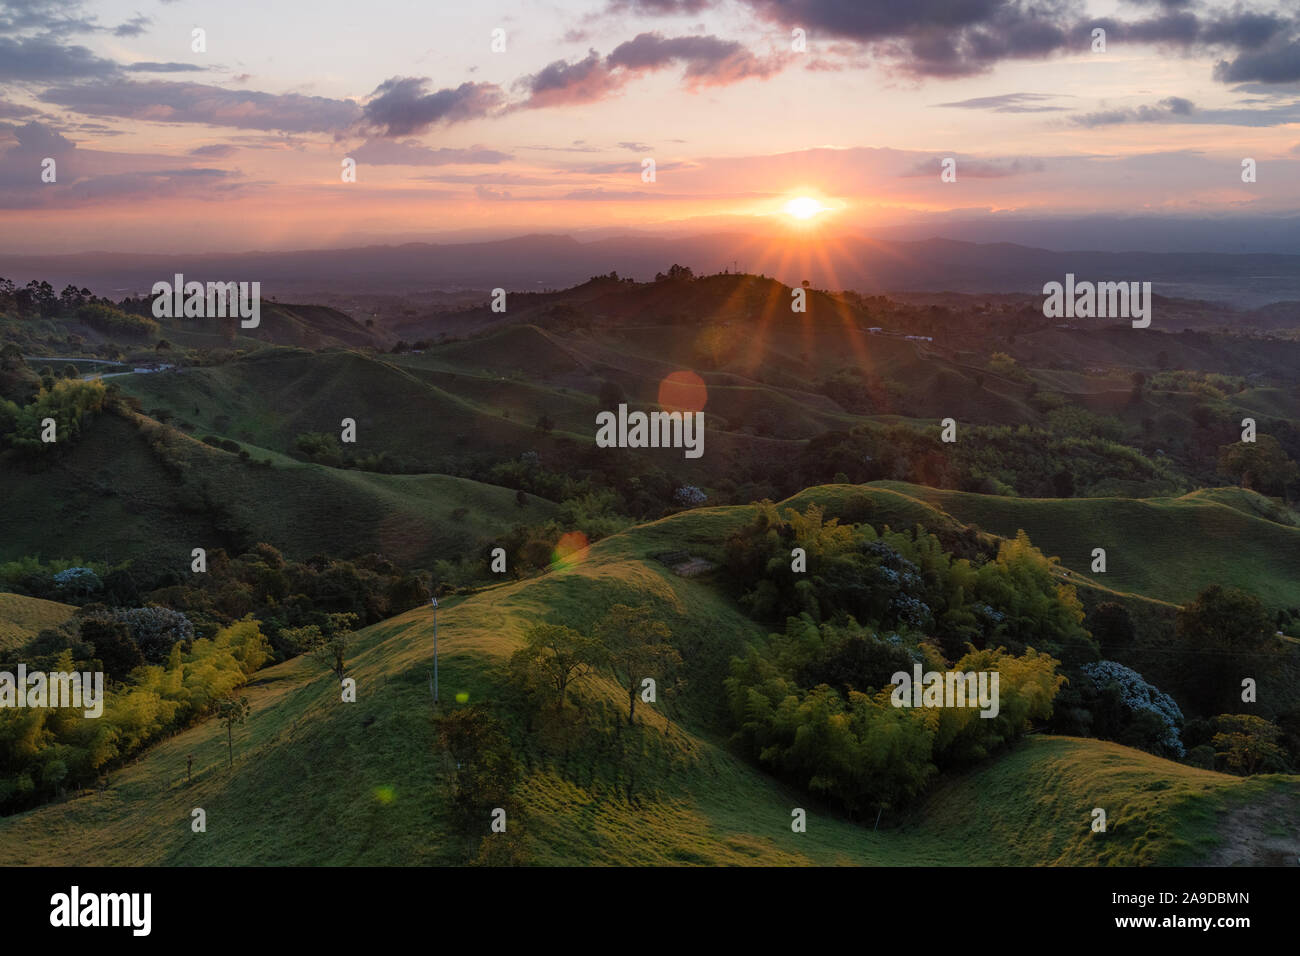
1162	548
22	618
317	781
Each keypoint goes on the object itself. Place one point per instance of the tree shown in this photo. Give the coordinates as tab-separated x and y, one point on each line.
637	647
1261	465
486	769
232	710
1226	635
155	629
336	639
113	646
557	656
1249	744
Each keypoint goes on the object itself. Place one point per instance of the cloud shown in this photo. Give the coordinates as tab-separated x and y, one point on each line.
401	106
88	177
53	17
935	37
562	83
1007	103
148	67
413	153
954	38
976	168
1170	108
164	101
1275	63
709	60
637	147
656	8
1175	109
10	110
40	59
134	27
215	150
605	169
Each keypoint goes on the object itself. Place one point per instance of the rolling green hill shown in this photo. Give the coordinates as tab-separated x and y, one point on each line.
1162	548
113	496
22	618
317	781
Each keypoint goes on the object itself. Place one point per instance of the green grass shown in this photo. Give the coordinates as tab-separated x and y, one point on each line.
316	781
1167	549
22	618
109	498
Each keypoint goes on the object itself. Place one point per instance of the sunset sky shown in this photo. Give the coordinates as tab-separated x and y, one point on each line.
159	147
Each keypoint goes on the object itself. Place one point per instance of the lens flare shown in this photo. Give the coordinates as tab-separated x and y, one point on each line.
683	392
569	550
385	794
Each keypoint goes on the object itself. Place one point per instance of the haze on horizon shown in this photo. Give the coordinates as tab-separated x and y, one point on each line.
161	148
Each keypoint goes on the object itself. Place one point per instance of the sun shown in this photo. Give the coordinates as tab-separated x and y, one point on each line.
804	207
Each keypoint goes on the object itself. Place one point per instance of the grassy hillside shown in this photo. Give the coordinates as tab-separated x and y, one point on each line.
112	496
316	781
1163	548
22	618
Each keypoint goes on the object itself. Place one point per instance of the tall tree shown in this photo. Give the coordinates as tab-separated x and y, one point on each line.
636	647
232	710
558	657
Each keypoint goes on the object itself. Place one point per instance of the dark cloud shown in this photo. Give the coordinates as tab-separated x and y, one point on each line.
1247	31
1276	63
52	17
215	150
41	59
708	59
402	106
10	110
136	26
562	83
1170	108
1008	103
148	67
37	139
413	153
171	102
953	38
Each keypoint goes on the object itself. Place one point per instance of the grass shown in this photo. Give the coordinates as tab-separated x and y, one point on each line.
112	499
1167	549
22	618
317	781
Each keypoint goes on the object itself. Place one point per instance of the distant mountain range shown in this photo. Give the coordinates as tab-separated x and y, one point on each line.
1243	280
